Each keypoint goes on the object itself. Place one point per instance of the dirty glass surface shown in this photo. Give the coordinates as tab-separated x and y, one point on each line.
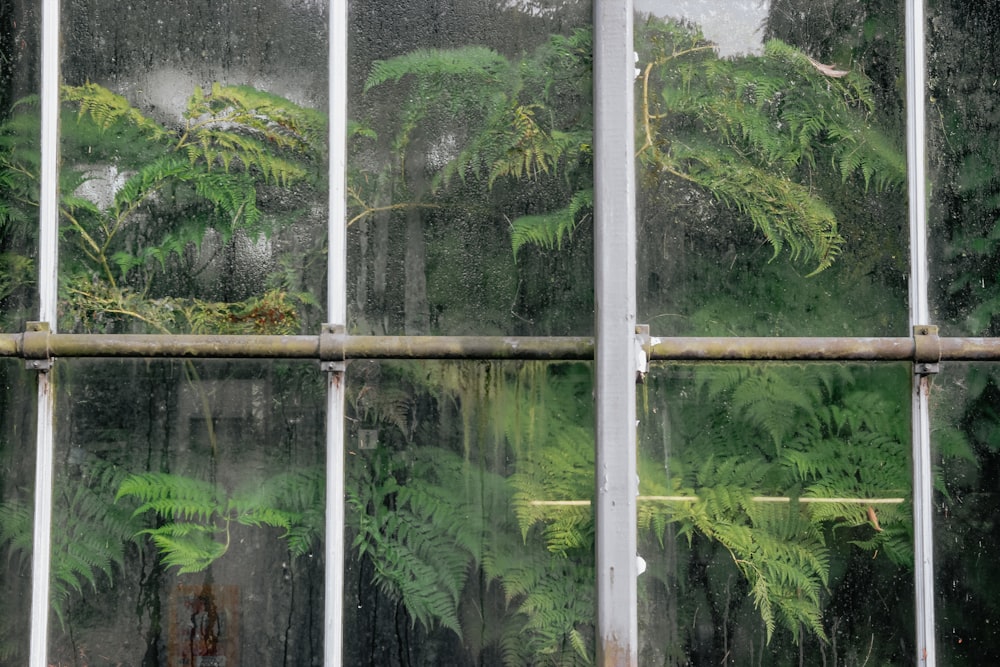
966	441
19	140
470	189
771	168
775	515
193	154
962	126
188	514
468	514
17	481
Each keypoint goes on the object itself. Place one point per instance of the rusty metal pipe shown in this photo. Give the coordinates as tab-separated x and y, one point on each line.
564	348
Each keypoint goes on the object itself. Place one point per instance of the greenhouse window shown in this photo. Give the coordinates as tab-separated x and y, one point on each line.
521	332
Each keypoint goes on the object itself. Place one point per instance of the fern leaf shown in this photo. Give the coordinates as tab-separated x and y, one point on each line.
548	230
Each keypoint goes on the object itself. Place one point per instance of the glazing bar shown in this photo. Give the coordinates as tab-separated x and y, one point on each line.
615	354
333	617
48	220
923	508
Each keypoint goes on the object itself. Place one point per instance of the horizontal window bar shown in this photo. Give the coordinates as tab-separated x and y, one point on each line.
756	499
39	345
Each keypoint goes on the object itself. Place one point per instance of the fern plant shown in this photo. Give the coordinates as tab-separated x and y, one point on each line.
195	516
87	551
747	131
138	196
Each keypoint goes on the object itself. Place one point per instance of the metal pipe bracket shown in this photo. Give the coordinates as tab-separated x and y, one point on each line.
643	350
331	348
926	350
35	346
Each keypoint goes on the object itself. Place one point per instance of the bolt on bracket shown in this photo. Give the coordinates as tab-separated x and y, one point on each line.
926	350
331	348
35	346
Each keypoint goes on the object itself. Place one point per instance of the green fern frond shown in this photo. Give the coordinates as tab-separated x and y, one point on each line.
107	109
189	547
174	497
467	62
548	230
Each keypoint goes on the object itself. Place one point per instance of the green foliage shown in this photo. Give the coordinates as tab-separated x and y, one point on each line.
421	522
751	132
89	541
194	516
138	198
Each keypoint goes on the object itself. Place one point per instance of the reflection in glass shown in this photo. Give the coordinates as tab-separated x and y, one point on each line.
17	474
469	488
771	168
775	515
188	514
966	439
470	191
192	153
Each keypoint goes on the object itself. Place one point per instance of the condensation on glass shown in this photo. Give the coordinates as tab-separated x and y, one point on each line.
17	462
19	120
962	126
775	509
188	513
193	146
775	500
470	190
468	513
771	168
966	441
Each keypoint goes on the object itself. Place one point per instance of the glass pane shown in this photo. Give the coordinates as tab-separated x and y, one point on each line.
19	140
966	440
471	178
771	168
775	515
17	475
188	514
193	151
963	126
469	489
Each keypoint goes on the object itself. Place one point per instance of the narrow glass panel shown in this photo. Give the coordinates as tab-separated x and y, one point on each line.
469	490
775	515
188	514
963	125
771	168
192	162
19	141
966	441
17	465
471	188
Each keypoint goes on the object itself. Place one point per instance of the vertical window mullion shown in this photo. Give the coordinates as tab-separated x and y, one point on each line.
919	314
48	217
333	621
615	357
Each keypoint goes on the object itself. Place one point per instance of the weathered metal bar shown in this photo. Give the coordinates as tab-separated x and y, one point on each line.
336	267
615	364
756	499
553	348
783	349
48	262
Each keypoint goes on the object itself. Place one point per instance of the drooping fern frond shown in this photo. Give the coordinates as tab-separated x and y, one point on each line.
107	109
548	230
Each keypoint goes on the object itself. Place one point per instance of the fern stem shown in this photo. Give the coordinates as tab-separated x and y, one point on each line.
392	207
